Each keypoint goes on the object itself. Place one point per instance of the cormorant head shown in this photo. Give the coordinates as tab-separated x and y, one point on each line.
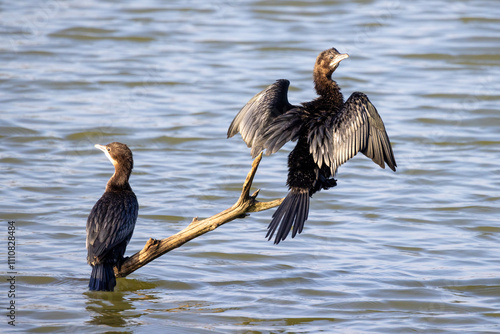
328	61
119	154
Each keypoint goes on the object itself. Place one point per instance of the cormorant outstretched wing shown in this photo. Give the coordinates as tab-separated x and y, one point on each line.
111	221
255	117
282	129
356	128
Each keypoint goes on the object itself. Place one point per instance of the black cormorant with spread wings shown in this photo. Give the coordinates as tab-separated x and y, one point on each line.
112	220
328	132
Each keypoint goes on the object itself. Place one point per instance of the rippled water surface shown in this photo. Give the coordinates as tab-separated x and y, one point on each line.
383	252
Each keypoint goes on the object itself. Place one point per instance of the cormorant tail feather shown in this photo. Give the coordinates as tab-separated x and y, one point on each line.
291	214
102	277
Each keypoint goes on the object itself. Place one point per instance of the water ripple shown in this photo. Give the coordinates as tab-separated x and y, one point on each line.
383	252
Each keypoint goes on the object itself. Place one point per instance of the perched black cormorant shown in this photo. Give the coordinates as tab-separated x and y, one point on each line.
329	132
112	220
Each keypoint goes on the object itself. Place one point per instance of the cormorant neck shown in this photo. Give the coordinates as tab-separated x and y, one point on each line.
119	180
327	88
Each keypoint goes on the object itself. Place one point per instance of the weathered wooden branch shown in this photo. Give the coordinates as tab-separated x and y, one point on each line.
155	248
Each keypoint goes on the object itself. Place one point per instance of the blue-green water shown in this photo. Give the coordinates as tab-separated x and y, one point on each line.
415	251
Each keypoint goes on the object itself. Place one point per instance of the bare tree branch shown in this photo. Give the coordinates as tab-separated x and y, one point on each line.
155	248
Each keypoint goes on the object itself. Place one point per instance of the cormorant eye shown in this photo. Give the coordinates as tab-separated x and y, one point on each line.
331	57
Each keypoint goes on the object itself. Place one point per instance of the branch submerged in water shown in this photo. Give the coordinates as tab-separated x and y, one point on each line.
155	248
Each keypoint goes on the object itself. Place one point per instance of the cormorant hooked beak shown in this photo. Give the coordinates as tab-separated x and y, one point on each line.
105	150
338	58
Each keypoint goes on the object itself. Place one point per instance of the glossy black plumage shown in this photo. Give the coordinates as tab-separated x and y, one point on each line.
255	117
111	222
328	133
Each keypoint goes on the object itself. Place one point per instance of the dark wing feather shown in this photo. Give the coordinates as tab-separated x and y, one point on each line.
356	128
283	129
110	222
255	117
